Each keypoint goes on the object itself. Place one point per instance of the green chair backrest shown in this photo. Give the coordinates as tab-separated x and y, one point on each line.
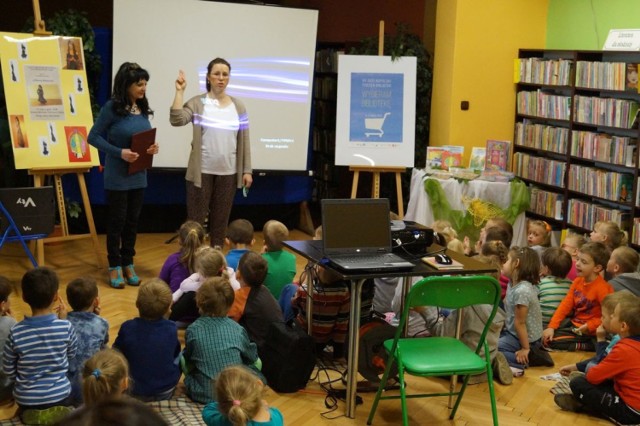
454	292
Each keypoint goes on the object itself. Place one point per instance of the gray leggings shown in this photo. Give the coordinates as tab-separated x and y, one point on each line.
215	199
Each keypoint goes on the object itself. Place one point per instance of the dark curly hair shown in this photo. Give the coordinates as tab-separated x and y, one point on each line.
129	73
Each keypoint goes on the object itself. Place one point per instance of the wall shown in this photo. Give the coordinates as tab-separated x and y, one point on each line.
585	24
476	43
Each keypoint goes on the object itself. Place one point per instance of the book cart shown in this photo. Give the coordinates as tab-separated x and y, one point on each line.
576	137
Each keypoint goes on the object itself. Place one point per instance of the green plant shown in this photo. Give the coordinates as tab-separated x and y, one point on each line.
404	43
75	23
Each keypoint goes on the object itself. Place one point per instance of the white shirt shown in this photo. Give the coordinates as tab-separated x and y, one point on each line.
220	127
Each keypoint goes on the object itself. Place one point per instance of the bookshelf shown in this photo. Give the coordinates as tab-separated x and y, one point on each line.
327	175
576	137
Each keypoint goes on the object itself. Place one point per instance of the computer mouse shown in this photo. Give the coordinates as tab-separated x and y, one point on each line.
443	259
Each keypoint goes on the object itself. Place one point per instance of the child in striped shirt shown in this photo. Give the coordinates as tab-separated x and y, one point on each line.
38	350
554	284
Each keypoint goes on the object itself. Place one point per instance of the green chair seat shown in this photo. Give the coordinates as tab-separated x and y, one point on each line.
437	357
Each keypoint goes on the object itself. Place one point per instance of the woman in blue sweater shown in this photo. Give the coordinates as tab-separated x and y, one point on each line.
125	114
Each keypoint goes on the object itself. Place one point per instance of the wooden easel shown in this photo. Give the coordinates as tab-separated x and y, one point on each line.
38	179
375	182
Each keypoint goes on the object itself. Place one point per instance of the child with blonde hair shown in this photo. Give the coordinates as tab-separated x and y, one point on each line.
181	264
239	401
450	235
623	267
609	234
209	262
281	264
571	244
104	375
538	235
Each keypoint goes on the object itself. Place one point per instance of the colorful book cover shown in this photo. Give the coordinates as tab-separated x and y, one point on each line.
452	156
631	81
497	155
476	161
625	188
434	157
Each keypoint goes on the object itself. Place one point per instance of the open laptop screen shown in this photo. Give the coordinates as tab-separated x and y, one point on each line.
351	226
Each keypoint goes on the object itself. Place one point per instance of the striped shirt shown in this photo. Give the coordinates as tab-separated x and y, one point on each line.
551	291
36	356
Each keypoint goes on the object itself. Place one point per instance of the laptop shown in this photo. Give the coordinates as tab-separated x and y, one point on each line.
357	235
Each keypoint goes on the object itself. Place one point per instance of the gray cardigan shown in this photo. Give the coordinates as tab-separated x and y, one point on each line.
191	112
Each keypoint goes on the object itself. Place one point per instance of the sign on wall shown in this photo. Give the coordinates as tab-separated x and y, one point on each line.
48	102
375	122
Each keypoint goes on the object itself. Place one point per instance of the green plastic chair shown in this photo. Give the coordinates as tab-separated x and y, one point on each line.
441	356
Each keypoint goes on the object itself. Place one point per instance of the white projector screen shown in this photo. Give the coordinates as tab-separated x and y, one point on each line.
271	51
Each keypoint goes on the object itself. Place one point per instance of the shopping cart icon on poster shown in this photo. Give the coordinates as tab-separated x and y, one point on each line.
376	125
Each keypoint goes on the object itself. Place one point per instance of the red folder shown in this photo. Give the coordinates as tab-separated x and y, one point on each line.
140	142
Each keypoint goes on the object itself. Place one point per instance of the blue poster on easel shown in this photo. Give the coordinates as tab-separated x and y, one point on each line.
375	117
376	107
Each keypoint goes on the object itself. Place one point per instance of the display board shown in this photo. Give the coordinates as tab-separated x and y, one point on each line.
271	51
48	102
375	122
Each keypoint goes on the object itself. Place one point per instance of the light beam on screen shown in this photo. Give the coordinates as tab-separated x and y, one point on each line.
264	78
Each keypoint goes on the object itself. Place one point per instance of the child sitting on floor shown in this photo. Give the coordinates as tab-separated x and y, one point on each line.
574	323
553	287
6	322
181	264
282	264
538	235
571	244
609	234
239	401
623	268
239	239
92	330
150	344
214	341
611	389
105	375
38	350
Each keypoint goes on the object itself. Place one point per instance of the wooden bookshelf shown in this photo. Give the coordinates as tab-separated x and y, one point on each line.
576	137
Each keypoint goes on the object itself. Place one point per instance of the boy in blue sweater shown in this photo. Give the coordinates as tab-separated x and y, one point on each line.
150	344
38	350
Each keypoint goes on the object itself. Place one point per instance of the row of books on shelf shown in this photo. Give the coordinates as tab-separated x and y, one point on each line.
542	136
545	203
325	170
603	147
541	104
607	75
605	184
584	214
324	140
589	74
543	71
327	60
538	169
325	87
610	112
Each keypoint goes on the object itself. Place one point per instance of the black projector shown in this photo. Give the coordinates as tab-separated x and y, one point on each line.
413	238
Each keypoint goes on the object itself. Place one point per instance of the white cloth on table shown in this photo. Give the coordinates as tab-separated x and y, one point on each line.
499	193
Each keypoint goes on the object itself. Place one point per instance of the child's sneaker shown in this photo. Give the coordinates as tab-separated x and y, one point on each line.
501	370
567	402
517	372
48	416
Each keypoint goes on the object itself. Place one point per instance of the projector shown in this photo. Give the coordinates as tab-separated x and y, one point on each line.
414	238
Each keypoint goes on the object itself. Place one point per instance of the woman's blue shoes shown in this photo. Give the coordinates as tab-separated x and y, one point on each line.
131	276
115	277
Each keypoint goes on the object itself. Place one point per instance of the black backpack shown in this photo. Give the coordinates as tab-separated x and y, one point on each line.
288	357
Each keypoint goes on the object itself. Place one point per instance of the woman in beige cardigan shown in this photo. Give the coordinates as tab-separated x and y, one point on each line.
220	159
